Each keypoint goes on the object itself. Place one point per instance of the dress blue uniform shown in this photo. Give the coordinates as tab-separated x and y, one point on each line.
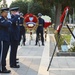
4	40
15	37
22	30
40	29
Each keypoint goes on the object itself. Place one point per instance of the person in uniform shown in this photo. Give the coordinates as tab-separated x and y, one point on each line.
14	36
22	29
5	25
40	29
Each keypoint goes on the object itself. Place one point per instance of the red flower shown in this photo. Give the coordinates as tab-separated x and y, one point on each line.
59	28
47	24
62	18
30	19
27	18
63	14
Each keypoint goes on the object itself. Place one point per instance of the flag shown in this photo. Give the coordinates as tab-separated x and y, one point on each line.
62	18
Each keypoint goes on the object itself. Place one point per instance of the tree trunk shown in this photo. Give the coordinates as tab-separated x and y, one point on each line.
4	2
57	15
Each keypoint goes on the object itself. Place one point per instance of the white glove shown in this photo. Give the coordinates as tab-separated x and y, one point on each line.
17	13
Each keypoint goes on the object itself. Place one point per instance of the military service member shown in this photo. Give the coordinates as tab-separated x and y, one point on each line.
40	29
22	29
15	36
4	39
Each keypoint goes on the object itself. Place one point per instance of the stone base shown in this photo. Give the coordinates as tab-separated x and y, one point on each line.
65	53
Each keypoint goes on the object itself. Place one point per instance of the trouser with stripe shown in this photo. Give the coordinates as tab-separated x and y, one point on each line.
4	46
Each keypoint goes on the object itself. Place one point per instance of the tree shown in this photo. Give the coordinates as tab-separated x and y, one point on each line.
45	6
35	8
0	0
21	4
59	5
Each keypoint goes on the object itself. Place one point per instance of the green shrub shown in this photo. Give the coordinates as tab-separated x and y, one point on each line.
21	4
61	40
72	49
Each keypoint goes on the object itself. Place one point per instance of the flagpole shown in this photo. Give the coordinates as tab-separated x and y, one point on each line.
57	41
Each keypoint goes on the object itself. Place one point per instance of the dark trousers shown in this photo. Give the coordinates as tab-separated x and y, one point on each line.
24	37
4	46
37	36
22	33
13	52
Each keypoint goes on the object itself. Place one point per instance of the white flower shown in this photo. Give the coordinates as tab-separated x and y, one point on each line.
46	18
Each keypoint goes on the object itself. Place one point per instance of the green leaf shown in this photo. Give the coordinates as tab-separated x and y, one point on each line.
21	4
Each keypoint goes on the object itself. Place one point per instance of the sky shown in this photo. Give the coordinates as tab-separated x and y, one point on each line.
9	2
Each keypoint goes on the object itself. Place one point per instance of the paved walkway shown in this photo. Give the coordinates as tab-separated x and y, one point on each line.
34	60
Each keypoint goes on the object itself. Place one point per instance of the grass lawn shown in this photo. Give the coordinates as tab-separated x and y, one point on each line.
63	30
65	33
63	37
67	38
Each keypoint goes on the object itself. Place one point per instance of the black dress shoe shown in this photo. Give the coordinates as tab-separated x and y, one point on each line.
24	44
17	62
35	44
15	66
42	44
17	59
5	71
